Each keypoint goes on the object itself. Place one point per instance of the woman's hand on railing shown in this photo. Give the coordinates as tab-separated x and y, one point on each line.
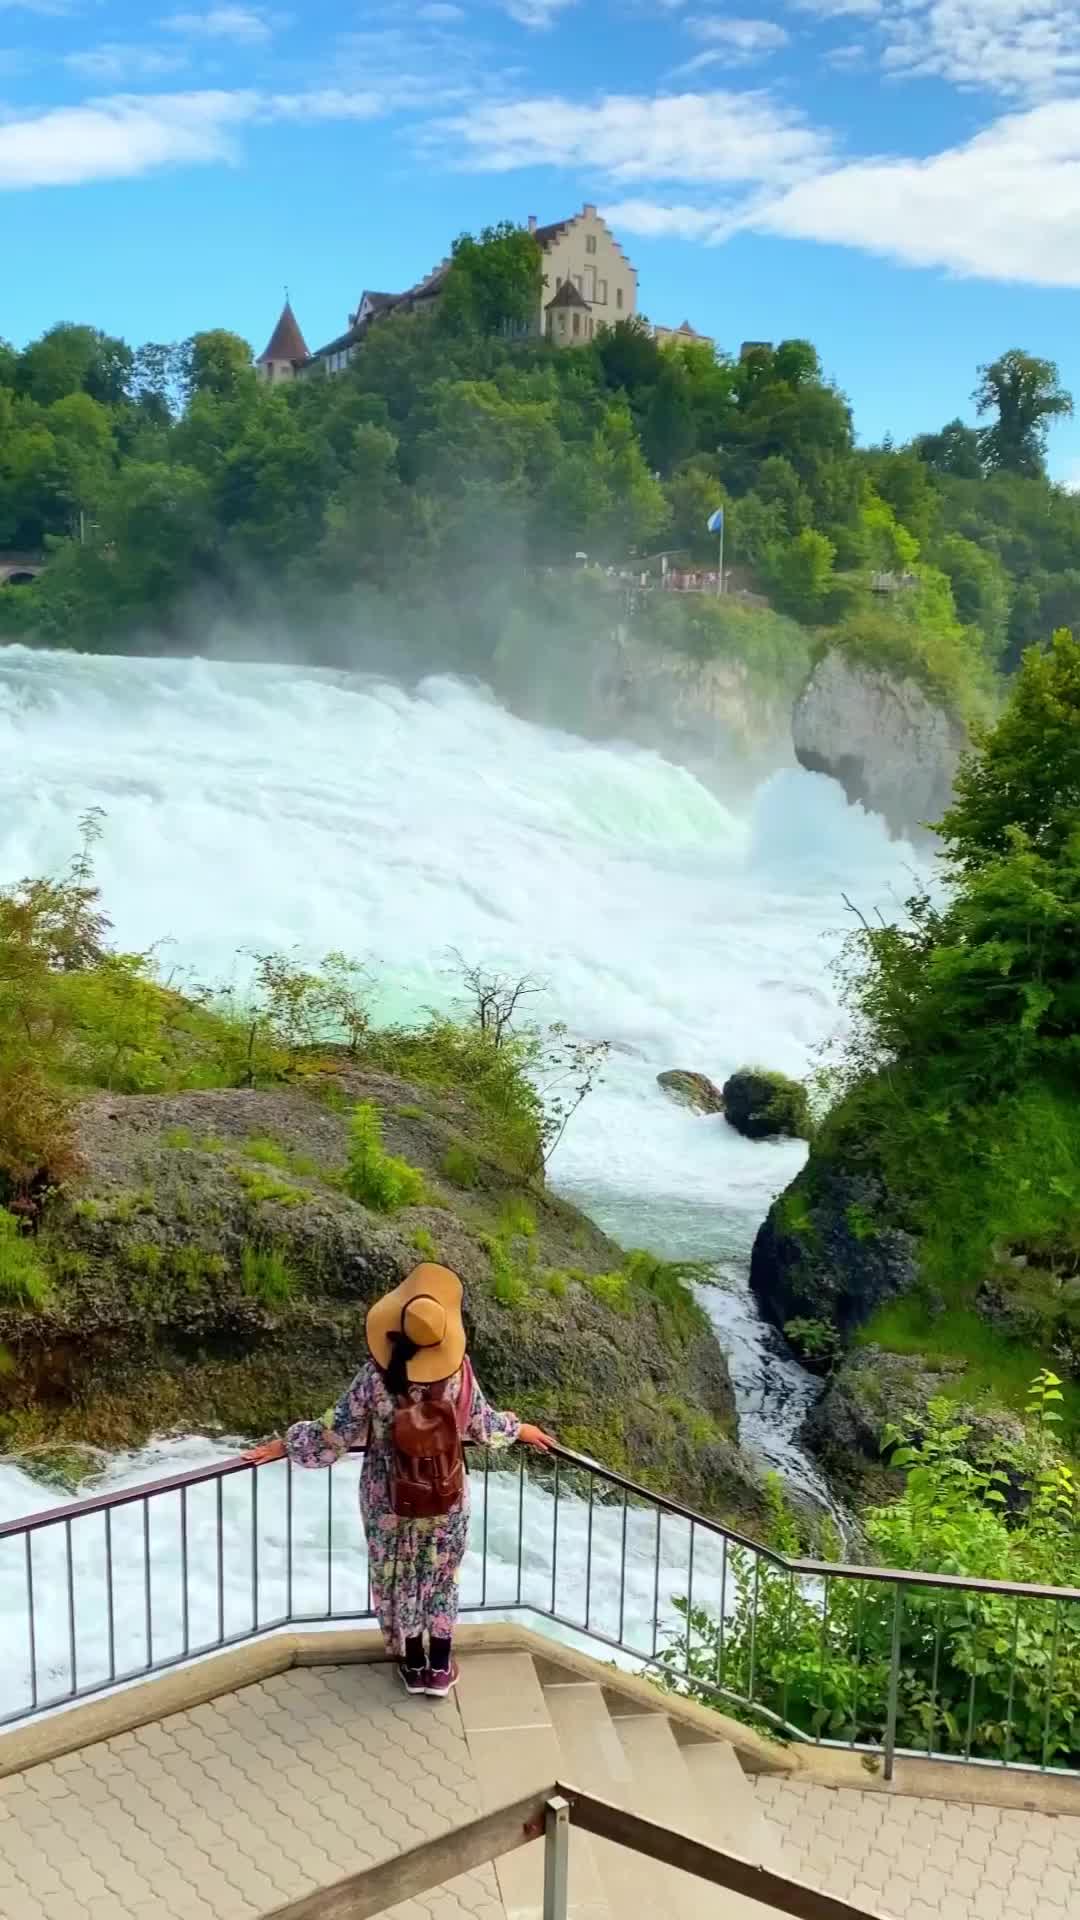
535	1437
261	1456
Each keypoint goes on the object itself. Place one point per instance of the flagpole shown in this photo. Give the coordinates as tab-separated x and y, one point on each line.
723	523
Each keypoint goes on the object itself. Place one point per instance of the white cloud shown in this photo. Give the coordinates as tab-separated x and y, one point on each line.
695	138
740	40
1003	206
535	13
246	25
127	135
1013	47
656	221
441	13
117	61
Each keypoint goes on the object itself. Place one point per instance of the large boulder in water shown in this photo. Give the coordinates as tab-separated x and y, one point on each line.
694	1090
766	1106
891	746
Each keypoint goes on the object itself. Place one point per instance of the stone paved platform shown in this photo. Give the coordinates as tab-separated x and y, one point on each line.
231	1809
919	1859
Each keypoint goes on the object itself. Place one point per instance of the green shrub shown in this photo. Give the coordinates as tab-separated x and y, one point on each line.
979	1672
612	1289
815	1341
509	1281
460	1166
265	1275
179	1139
373	1177
23	1279
425	1245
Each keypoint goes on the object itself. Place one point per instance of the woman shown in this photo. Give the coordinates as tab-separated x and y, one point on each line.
416	1339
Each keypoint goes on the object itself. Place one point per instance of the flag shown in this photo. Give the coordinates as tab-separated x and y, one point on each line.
715	522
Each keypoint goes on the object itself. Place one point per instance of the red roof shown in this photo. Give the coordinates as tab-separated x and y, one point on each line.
286	342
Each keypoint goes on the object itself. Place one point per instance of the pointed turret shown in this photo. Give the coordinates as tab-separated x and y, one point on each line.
287	349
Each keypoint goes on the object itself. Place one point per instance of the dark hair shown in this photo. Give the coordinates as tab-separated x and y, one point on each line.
395	1373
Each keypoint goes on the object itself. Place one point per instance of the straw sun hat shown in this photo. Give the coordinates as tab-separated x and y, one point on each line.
426	1307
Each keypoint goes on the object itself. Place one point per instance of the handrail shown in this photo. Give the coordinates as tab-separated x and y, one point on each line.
786	1563
411	1875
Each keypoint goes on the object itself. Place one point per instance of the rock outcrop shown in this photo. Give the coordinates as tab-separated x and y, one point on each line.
209	1270
825	1252
694	1090
766	1106
890	746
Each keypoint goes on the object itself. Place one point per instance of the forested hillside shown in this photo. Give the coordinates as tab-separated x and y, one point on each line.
171	489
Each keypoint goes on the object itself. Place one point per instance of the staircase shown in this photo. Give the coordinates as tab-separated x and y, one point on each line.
530	1721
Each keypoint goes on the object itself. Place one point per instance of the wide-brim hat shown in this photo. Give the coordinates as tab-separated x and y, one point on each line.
426	1307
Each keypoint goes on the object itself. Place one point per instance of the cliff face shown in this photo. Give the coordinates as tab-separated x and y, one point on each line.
888	744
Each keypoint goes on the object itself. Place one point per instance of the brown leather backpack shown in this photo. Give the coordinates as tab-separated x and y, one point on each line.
427	1472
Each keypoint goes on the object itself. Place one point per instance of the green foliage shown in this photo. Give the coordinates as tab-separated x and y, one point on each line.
178	1139
612	1289
460	1166
814	1341
23	1279
265	1275
260	1187
1026	395
494	284
978	1673
425	1245
375	1178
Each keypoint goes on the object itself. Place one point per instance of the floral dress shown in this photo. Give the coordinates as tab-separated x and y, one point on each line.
414	1564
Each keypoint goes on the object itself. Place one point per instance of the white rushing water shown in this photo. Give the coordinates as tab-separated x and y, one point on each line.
259	807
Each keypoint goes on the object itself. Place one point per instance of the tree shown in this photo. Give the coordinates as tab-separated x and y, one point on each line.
217	363
957	449
70	359
668	428
1024	777
1027	395
980	588
800	574
494	283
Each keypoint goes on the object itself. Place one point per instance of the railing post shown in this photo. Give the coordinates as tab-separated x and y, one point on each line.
556	1857
894	1683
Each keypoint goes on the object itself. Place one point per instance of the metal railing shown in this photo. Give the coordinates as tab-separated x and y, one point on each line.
550	1815
140	1579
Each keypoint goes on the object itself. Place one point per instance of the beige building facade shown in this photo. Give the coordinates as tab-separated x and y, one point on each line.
584	253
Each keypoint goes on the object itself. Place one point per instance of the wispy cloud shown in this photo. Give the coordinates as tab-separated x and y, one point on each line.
535	13
118	61
1013	47
124	136
247	26
695	138
440	13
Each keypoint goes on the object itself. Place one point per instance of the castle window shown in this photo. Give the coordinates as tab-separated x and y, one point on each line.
601	293
590	243
618	296
577	323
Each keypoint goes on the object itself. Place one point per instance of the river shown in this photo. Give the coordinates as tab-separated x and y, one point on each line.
258	807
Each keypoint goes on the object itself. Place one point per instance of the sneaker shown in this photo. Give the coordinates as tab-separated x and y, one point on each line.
413	1679
441	1681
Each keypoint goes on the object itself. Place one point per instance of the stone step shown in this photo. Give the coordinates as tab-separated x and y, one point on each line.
727	1815
514	1750
598	1761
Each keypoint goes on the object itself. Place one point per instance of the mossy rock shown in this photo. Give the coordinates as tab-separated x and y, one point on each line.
693	1090
766	1106
154	1321
828	1250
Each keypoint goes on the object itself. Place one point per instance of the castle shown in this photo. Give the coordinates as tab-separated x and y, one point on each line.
588	283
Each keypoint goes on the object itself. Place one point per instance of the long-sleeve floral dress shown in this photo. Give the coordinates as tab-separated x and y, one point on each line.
414	1564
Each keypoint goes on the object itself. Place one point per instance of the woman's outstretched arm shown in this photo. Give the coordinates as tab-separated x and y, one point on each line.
489	1428
319	1443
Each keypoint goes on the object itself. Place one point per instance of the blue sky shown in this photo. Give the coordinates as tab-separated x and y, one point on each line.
898	180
